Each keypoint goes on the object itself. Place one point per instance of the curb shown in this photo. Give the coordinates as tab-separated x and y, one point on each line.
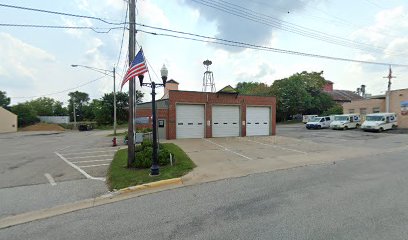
120	195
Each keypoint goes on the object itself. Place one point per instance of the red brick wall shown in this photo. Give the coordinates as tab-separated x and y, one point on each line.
208	100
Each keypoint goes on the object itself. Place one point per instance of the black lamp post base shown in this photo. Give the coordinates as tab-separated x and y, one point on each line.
154	170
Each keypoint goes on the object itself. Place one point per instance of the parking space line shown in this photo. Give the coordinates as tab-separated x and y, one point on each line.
97	165
229	150
91	156
50	179
77	153
102	160
78	168
288	149
76	150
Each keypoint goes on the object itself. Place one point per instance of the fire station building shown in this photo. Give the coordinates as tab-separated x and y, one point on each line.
188	114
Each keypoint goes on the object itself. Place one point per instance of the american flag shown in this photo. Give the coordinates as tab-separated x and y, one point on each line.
138	67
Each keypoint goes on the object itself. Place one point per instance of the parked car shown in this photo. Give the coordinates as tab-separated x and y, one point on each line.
319	122
308	118
85	127
346	121
380	122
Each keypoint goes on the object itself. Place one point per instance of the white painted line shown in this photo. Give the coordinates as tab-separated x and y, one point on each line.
288	149
102	160
91	156
229	150
97	165
79	169
50	179
76	153
87	149
61	149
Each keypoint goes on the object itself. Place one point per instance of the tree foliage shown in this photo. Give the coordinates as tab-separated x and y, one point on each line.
301	93
26	115
4	100
48	107
79	100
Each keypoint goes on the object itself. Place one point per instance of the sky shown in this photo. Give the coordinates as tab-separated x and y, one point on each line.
36	62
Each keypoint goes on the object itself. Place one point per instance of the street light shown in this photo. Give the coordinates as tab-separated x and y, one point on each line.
154	170
104	71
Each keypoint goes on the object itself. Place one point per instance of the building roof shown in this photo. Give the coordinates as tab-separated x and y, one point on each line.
344	96
228	89
3	110
172	81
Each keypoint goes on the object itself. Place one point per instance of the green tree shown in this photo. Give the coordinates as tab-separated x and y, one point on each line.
4	100
26	115
48	107
246	87
79	100
336	109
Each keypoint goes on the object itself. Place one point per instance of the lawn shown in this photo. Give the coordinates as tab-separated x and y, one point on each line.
119	176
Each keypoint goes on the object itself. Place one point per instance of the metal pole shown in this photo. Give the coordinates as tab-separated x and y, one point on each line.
154	170
73	106
114	102
131	145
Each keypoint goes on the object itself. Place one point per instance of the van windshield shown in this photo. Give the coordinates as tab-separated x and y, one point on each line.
341	118
374	118
316	119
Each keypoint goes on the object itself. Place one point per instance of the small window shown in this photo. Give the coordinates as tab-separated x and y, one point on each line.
265	123
161	123
327	118
351	110
234	123
215	123
200	123
179	123
376	110
322	120
248	123
225	123
363	111
257	123
190	123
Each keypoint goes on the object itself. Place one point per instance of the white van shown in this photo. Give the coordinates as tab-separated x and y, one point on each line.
380	122
346	121
308	118
319	122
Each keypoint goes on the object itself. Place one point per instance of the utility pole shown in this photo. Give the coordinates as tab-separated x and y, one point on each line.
73	106
387	98
131	144
114	102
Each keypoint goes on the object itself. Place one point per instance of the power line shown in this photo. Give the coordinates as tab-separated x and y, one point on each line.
231	43
62	91
60	13
248	14
95	29
123	35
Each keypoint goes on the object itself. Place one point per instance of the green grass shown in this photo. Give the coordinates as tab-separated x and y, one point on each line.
119	176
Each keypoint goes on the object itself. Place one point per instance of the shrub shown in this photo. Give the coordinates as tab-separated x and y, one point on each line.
144	154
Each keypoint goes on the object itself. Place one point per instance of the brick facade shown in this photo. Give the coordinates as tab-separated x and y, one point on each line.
208	100
369	105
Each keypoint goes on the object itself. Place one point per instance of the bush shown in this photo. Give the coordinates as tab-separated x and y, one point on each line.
144	154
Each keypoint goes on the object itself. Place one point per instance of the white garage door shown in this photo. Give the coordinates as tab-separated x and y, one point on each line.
189	121
258	120
225	121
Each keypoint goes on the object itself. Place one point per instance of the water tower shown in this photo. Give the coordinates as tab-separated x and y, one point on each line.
208	78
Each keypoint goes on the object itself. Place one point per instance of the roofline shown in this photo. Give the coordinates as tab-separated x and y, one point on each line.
249	95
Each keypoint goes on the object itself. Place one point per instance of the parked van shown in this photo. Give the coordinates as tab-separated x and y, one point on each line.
380	122
319	122
346	121
308	118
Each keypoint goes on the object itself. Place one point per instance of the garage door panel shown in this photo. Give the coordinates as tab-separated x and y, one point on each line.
190	121
225	121
258	121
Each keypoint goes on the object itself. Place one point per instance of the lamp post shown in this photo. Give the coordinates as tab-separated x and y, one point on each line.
104	71
154	170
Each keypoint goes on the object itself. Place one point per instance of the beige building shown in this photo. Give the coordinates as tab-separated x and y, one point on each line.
376	104
8	121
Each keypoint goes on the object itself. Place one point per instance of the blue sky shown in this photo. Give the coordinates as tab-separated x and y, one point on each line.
36	62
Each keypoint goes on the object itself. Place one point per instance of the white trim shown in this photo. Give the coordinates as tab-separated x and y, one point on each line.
288	149
91	156
97	165
102	160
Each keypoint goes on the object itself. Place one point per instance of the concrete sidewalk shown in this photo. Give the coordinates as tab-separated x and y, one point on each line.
220	158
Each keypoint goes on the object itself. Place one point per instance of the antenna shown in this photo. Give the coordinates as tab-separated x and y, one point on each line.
208	78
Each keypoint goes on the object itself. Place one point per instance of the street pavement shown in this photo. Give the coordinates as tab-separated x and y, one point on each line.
34	174
358	198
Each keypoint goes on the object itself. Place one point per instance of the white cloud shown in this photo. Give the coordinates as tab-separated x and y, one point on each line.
155	16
